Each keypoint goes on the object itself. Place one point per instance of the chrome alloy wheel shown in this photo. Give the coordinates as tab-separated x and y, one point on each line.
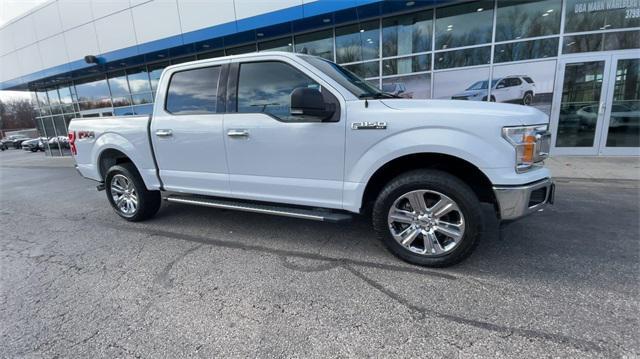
426	222
124	195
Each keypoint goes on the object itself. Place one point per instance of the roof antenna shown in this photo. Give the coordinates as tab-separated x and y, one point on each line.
366	103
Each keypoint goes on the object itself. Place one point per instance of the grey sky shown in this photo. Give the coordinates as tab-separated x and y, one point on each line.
10	9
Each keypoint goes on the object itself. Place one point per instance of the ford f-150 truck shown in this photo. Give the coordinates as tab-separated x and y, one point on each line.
297	135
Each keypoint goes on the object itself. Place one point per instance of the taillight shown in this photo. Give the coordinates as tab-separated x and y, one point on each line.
72	142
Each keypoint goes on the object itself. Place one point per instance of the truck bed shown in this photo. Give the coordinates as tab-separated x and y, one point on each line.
127	134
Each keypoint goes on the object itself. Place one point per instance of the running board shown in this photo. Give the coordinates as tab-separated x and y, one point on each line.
276	210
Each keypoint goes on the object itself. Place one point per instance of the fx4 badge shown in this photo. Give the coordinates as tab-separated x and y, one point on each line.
369	125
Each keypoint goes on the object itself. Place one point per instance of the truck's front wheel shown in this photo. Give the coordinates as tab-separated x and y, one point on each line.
128	194
428	217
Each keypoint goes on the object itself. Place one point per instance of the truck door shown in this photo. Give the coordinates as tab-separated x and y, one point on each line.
274	155
186	132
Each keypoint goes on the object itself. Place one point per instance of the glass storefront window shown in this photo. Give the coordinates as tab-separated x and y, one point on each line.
121	101
92	89
66	98
183	59
406	65
624	123
211	54
526	50
601	42
138	80
123	111
358	42
41	96
407	34
461	58
284	44
366	69
464	25
579	104
118	84
54	101
245	49
589	15
318	43
155	70
142	110
519	19
141	99
414	86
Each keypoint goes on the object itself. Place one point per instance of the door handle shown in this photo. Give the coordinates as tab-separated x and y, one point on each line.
238	133
164	133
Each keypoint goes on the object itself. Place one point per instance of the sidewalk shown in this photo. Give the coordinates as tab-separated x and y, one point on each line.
595	168
589	168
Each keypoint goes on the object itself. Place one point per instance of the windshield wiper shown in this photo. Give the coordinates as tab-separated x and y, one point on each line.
379	95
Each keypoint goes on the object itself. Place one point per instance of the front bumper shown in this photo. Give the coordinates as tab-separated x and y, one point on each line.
518	201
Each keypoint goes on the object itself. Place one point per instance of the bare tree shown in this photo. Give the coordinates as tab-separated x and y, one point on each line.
16	114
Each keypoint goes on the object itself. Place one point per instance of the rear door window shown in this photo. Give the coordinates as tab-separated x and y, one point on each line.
193	91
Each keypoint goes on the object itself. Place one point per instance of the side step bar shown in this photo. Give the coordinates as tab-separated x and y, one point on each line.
277	210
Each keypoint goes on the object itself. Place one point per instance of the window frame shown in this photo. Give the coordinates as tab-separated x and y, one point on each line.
233	88
166	93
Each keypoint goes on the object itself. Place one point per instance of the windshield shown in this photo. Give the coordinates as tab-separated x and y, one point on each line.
345	78
482	85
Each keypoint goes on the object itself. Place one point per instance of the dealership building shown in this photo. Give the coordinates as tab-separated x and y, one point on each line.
576	60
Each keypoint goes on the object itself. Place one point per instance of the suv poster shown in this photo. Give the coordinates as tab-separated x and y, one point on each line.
528	84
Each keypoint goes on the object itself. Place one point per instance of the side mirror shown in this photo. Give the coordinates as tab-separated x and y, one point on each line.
500	86
308	103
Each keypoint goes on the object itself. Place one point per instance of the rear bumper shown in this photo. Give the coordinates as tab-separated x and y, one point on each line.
518	201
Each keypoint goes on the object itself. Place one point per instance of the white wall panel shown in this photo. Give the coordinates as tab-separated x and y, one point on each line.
47	20
248	8
198	14
29	60
101	8
138	2
10	67
23	32
53	51
156	20
6	41
3	70
115	32
74	13
81	41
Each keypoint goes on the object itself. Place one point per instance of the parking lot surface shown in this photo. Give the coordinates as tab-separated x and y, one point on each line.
77	281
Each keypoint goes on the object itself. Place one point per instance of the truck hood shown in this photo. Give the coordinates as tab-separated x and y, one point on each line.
506	114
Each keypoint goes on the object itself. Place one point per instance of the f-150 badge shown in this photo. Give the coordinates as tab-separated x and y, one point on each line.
369	125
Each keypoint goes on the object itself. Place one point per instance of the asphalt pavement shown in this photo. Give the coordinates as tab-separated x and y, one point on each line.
76	281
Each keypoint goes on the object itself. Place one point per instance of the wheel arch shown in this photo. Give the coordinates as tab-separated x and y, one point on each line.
461	168
109	157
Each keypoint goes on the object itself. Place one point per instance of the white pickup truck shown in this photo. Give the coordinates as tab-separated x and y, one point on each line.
296	135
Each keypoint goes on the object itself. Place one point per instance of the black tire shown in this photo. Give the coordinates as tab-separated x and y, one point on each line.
444	183
527	99
148	201
34	150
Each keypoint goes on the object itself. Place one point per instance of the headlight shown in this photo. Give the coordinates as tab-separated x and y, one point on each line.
532	144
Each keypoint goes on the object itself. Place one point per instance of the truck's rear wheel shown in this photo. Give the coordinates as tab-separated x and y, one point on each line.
128	194
428	217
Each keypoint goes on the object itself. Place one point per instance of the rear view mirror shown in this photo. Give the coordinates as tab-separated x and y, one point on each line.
308	103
